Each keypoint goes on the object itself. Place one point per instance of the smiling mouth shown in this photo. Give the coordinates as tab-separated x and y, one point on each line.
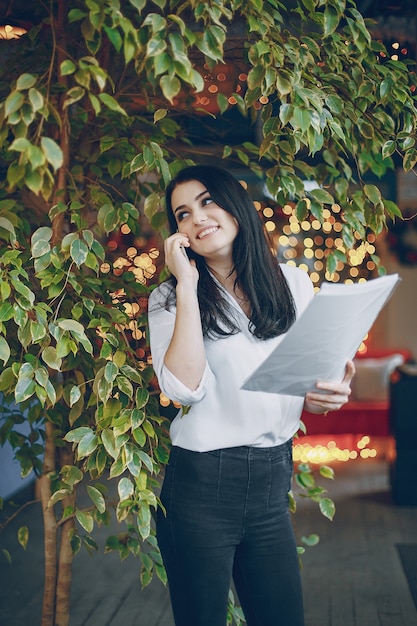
207	231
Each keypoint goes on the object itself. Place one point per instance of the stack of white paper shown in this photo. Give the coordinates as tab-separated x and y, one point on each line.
324	338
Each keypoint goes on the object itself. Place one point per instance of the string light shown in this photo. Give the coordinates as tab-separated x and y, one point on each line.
342	449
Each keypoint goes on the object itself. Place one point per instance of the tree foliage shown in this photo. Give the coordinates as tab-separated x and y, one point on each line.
93	123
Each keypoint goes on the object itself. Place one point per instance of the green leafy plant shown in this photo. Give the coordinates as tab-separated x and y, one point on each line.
95	109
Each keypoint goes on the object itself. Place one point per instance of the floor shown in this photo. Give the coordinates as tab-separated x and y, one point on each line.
353	577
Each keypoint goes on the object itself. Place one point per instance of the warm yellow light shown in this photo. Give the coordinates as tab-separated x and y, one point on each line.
308	253
290	253
268	212
12	32
131	252
327	453
270	226
163	400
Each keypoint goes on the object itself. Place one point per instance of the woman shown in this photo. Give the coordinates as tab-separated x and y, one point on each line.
225	493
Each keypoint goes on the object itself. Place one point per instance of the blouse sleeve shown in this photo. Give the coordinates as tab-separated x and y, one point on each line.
161	327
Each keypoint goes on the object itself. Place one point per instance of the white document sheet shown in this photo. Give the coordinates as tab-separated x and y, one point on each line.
326	335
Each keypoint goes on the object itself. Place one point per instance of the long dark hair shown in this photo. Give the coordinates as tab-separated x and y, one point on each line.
258	273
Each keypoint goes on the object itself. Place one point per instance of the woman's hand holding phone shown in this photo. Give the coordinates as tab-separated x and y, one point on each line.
177	260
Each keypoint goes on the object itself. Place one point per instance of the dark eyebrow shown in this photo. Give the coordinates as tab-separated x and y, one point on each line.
183	206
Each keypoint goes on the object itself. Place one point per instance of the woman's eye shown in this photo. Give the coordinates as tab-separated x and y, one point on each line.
207	200
181	215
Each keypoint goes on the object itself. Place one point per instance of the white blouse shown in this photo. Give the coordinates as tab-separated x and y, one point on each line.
222	415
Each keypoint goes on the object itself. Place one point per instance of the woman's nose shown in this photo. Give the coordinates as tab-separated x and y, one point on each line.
199	216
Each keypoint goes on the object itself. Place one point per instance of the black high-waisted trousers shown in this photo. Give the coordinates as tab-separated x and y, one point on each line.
227	516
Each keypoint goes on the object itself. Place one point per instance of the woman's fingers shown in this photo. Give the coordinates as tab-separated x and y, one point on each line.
331	396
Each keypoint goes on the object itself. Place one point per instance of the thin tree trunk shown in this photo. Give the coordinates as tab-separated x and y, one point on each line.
63	589
50	530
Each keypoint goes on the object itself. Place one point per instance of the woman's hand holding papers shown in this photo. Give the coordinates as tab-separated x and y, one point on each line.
330	396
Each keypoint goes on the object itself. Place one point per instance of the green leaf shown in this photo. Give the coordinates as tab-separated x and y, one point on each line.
170	86
49	355
36	99
79	251
392	209
7	555
42	234
74	95
335	104
285	113
77	434
142	397
322	196
125	489
21	144
23	536
107	437
85	519
75	395
6	312
311	540
57	496
52	152
301	118
327	508
284	86
125	385
25	81
87	445
111	103
97	497
372	193
71	475
331	20
326	472
67	67
13	102
24	389
110	371
71	325
7	225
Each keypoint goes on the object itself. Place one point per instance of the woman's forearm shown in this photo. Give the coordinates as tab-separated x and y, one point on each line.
185	356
